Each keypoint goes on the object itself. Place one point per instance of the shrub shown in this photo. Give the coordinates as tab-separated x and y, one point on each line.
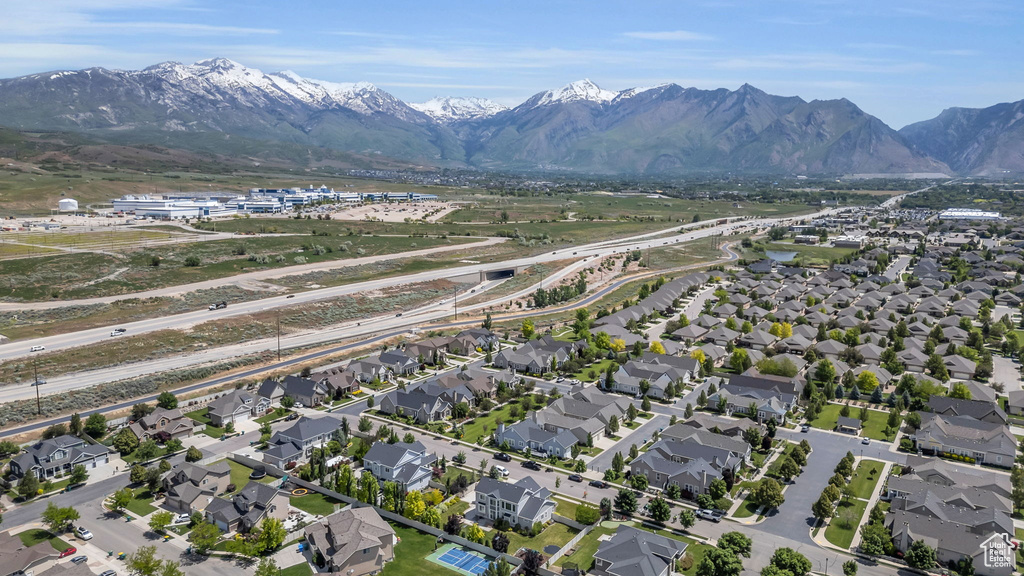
232	487
685	563
193	261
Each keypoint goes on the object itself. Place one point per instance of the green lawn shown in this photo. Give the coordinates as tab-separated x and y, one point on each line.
874	428
456	507
565	508
746	510
865	478
38	536
583	554
240	474
485	425
314	503
297	570
555	533
132	458
413	546
598	367
142	503
271	416
201	417
845	522
1019	533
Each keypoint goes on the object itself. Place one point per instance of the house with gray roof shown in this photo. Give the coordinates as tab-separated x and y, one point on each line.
245	510
416	404
635	552
945	473
59	455
190	487
406	464
734	427
985	442
400	363
305	391
523	503
236	406
163	424
297	442
529	434
353	541
977	409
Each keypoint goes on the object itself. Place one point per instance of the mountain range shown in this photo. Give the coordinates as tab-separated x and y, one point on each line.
219	106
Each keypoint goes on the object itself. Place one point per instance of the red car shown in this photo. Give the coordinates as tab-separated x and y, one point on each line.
68	552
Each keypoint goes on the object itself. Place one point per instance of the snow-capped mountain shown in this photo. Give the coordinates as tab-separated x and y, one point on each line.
454	109
573	92
222	107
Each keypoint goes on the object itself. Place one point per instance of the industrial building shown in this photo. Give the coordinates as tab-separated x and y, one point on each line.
968	214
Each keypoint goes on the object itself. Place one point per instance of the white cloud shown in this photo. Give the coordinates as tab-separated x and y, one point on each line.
670	36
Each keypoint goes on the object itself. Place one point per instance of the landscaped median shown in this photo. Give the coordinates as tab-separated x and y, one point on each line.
849	511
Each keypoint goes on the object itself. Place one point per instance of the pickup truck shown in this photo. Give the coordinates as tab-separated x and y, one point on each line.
218	305
712	515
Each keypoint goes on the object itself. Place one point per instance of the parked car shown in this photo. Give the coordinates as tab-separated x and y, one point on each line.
109	573
866	441
83	533
502	470
531	465
503	457
68	552
79	559
598	483
575	477
559	379
708	514
292	416
299	405
182	519
805	428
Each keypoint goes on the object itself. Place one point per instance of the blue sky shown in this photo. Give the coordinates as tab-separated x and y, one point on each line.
901	60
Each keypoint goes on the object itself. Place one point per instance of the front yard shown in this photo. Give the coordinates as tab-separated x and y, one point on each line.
38	536
240	474
865	478
874	428
141	503
201	417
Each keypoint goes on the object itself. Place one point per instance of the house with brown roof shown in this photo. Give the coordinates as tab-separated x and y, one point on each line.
353	541
163	425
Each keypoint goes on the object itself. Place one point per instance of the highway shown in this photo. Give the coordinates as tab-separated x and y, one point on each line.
186	320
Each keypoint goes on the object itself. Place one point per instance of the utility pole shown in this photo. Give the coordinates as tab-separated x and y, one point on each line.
456	291
279	335
35	373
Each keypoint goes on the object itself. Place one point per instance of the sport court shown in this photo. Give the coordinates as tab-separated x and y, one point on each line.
454	557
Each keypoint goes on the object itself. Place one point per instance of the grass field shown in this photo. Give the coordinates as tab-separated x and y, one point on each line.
845	521
38	536
805	255
141	503
413	547
240	474
874	428
747	509
555	534
865	478
314	503
297	570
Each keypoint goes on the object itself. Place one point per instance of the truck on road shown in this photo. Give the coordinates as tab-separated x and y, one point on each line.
219	305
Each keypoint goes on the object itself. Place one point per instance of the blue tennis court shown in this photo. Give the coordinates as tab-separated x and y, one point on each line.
462	560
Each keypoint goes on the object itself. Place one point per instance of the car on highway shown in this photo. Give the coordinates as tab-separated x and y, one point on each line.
79	559
598	483
68	552
575	477
83	533
708	514
397	315
502	470
503	457
37	348
290	296
121	330
531	465
116	333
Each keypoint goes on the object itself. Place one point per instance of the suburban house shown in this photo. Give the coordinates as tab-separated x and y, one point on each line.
236	406
965	436
57	456
523	503
245	510
936	471
408	465
353	541
1016	404
635	552
692	462
272	390
977	409
297	442
17	558
399	363
338	382
369	369
538	356
529	434
416	404
163	425
659	370
734	427
304	391
693	476
585	413
190	487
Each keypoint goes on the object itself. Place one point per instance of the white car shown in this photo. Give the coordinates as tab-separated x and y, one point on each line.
83	534
298	405
37	348
116	333
502	470
182	519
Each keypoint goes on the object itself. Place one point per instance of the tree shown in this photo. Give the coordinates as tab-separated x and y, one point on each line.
369	489
874	539
788	468
146	450
431	517
414	505
498	568
866	382
718	489
120	499
533	561
287	402
920	555
159	521
193	454
657	347
638	482
739	361
850	568
171	569
822	507
528	329
203	537
96	425
790	560
686	518
144	562
618	463
270	536
659	510
752	436
167	400
625	501
454	524
173	445
78	475
768	492
645	404
75	425
961	391
267	567
125	441
719	562
825	371
736	542
28	486
58	518
586	514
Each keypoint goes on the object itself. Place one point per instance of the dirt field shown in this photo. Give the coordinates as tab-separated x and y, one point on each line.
429	211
